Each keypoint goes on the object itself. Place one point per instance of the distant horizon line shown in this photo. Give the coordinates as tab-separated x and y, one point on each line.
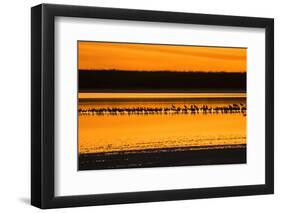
190	71
101	95
162	91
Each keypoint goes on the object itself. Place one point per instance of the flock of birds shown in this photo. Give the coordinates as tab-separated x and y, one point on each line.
192	109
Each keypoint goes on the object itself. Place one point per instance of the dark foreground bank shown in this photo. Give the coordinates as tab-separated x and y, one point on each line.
163	158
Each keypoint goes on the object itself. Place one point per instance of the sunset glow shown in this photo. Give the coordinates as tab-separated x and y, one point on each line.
151	57
159	105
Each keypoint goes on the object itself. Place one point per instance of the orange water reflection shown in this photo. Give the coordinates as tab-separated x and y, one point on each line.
137	132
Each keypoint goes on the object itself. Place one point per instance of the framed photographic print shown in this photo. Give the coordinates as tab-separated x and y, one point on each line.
139	106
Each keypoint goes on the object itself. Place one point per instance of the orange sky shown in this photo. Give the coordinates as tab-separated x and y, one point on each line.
122	56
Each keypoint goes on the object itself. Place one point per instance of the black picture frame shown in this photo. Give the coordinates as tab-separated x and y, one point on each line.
43	110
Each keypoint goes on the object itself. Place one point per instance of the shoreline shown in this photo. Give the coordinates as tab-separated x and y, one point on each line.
163	158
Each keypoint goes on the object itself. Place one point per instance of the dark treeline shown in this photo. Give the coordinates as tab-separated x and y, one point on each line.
160	81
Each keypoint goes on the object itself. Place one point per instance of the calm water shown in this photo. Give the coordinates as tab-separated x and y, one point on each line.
122	132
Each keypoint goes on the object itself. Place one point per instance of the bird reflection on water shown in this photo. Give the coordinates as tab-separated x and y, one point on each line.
192	109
